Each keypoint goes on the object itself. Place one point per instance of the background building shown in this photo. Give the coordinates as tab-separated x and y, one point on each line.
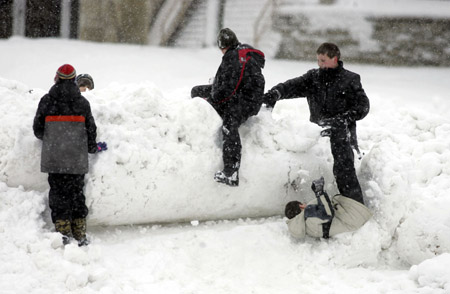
403	32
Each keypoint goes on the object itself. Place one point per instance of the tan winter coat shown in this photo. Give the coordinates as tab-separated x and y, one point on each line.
349	216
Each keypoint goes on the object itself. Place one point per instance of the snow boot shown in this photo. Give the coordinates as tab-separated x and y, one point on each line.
230	179
79	231
64	227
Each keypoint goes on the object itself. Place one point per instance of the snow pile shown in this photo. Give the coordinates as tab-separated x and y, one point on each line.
163	151
361	19
163	154
404	8
433	273
408	175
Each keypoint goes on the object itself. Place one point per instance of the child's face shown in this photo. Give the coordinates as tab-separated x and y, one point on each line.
326	62
83	88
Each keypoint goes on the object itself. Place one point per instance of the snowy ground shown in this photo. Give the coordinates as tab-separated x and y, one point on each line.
158	222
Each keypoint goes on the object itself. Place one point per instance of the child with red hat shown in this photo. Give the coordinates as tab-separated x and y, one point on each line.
65	124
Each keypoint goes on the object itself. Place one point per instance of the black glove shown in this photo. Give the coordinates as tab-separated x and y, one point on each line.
271	97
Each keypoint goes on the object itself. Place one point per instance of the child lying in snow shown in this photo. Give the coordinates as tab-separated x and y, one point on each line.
323	217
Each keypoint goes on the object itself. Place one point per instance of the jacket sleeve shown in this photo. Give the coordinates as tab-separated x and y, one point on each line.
39	119
226	78
294	88
361	105
350	215
91	130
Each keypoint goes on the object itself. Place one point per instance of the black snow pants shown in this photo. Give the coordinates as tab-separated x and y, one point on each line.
343	168
231	148
233	117
66	198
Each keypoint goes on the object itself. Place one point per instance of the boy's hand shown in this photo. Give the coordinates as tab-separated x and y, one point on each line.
270	98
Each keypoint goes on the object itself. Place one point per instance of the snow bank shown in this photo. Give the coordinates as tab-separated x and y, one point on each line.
398	8
433	273
407	172
31	253
163	153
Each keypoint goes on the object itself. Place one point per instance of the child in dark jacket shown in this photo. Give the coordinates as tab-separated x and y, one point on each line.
336	101
65	125
236	95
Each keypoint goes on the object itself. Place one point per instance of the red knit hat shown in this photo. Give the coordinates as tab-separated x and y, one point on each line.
66	72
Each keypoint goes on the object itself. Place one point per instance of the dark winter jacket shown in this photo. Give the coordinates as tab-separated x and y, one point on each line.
330	93
239	81
65	125
349	215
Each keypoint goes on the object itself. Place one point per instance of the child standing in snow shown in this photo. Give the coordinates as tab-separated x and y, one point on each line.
65	125
336	101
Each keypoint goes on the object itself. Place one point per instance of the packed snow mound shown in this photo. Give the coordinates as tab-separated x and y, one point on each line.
433	273
162	155
163	152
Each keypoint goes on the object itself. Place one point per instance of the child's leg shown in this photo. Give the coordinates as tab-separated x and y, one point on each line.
79	209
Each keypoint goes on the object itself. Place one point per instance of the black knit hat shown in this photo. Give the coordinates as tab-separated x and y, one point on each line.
226	38
292	209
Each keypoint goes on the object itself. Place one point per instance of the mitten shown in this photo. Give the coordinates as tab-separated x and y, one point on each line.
101	146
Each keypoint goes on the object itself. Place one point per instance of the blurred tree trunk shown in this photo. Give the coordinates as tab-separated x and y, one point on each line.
43	18
6	18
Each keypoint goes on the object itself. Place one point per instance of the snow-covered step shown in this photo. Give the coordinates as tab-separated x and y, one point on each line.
167	21
200	25
251	20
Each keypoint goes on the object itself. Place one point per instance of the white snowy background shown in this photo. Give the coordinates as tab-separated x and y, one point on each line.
158	222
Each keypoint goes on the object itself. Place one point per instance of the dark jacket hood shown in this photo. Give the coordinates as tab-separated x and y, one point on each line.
65	90
260	59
